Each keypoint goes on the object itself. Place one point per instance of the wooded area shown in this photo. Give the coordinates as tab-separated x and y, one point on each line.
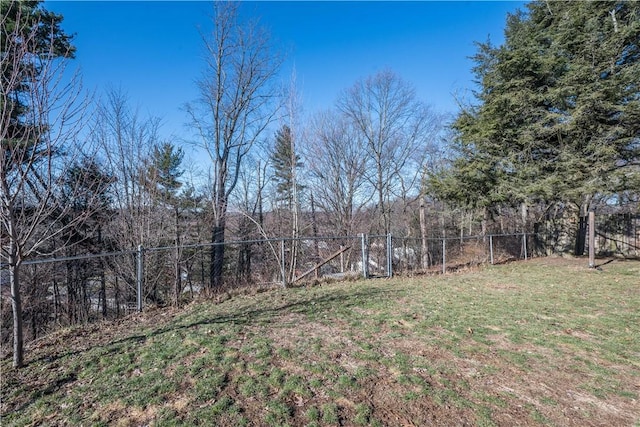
553	133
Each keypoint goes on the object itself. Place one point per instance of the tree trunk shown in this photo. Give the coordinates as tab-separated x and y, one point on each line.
177	285
116	296
243	269
16	307
56	301
177	277
260	211
484	223
581	235
103	278
524	213
103	292
217	254
381	205
295	220
86	301
314	228
70	293
423	234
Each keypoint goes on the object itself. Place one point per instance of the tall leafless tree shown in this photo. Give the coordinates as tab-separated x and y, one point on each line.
233	109
287	165
337	154
396	127
38	147
126	139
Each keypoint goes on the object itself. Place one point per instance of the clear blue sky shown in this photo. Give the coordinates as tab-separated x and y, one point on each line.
153	50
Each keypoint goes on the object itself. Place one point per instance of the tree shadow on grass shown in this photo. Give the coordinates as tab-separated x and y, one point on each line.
35	393
308	305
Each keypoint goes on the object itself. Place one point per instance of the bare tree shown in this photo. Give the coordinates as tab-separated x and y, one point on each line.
396	127
126	140
233	109
286	163
41	114
248	201
336	154
162	181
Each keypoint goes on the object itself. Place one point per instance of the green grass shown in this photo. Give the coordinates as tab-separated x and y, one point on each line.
538	343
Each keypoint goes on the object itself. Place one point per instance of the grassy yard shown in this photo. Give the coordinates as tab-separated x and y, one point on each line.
542	342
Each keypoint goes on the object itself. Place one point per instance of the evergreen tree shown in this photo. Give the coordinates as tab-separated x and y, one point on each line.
163	174
558	116
285	164
31	38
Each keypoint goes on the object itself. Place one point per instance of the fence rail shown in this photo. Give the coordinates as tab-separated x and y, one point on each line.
279	261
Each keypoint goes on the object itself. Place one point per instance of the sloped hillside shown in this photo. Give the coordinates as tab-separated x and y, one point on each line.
547	341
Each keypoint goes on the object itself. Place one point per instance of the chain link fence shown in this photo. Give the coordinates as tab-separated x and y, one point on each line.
85	288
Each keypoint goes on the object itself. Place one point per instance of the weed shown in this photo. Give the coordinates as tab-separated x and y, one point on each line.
312	415
346	382
330	414
363	414
278	413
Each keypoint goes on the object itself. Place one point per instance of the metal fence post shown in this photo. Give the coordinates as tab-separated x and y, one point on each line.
365	258
592	239
444	256
282	265
491	248
389	255
139	276
524	245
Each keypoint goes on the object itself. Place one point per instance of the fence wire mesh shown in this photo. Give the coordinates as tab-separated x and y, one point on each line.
85	288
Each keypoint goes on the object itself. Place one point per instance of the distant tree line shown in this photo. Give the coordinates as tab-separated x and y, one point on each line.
552	132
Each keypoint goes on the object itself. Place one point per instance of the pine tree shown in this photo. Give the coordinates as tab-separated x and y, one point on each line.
163	174
285	163
162	182
31	38
558	116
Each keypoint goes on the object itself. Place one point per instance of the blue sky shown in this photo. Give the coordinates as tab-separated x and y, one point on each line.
153	50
